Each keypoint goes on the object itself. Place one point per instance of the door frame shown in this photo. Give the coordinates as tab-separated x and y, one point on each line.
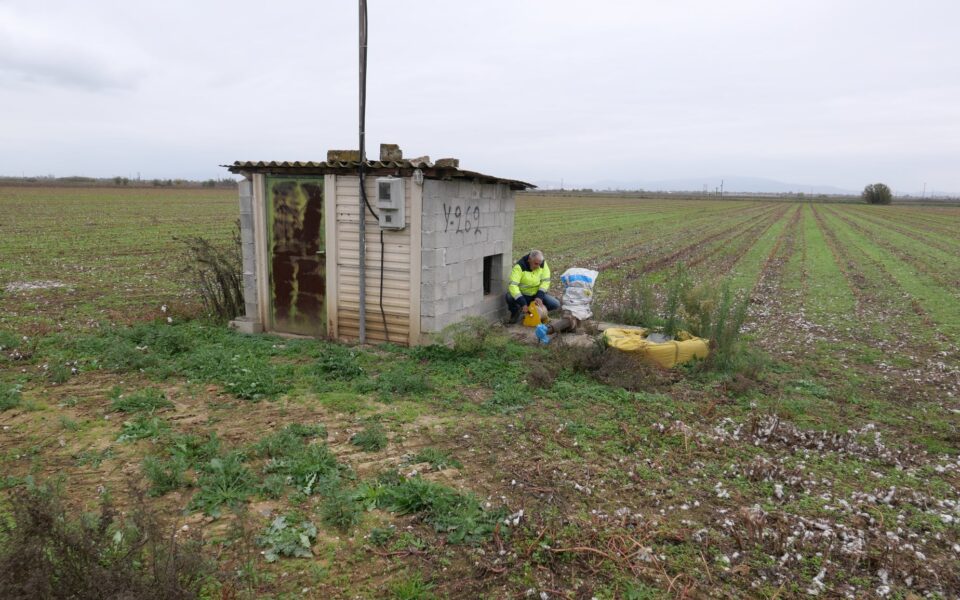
266	290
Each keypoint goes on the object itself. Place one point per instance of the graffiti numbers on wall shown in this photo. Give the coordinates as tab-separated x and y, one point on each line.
461	219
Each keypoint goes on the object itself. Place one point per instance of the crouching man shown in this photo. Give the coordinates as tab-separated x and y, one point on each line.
529	281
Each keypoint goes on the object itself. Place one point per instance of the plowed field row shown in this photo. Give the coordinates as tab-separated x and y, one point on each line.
610	236
818	275
936	220
819	460
926	263
926	238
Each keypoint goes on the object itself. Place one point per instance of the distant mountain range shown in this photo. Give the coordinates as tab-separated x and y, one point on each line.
750	185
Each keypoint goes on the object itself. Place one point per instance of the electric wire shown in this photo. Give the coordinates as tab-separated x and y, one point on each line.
362	167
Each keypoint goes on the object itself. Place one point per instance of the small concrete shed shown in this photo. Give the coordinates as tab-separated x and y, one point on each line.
446	233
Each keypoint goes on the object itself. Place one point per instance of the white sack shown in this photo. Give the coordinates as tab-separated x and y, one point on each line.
578	291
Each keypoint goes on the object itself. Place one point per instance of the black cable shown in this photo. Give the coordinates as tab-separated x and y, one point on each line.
363	189
383	313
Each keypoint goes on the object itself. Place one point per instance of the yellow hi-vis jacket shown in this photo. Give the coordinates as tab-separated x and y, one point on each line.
525	282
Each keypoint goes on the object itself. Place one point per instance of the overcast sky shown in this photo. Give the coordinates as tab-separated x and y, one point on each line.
832	92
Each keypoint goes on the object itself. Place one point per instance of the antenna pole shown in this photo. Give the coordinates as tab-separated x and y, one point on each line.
363	160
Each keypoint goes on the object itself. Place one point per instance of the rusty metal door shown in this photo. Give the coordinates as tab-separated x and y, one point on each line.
297	259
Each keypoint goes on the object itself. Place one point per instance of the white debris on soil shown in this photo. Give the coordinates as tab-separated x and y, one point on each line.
817	584
514	519
721	491
29	286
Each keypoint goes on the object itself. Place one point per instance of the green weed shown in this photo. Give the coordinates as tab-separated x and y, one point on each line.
243	372
310	469
8	341
161	339
340	511
146	400
164	475
714	311
345	402
381	536
371	439
109	350
637	590
412	587
508	397
93	458
9	482
285	538
142	428
639	307
402	380
338	363
9	396
223	481
438	459
69	402
307	430
678	286
273	486
194	450
59	373
278	445
808	387
460	516
69	424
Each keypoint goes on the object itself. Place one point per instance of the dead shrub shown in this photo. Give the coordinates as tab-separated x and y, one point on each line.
541	376
711	310
612	367
620	369
216	273
738	385
472	336
48	552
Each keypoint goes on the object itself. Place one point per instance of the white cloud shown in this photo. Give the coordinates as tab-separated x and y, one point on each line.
810	91
48	52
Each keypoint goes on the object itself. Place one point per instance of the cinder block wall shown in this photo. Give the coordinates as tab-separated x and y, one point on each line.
463	222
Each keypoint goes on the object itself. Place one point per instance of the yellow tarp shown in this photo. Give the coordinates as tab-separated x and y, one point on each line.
665	354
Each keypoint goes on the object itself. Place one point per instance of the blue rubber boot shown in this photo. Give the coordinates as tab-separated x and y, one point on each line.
542	334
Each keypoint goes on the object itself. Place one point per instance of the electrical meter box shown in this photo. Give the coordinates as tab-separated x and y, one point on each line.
390	202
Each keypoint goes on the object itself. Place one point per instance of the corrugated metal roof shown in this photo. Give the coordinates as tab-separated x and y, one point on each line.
374	167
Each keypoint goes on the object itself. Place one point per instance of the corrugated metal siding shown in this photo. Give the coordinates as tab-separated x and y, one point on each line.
346	168
396	267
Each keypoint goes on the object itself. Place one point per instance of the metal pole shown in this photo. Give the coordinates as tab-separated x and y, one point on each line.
363	159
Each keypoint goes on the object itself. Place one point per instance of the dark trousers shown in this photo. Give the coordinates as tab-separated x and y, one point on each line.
549	301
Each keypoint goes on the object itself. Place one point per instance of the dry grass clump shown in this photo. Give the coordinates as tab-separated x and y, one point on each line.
47	552
612	367
713	311
216	274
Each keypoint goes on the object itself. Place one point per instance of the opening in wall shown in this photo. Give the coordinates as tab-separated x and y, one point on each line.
492	270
